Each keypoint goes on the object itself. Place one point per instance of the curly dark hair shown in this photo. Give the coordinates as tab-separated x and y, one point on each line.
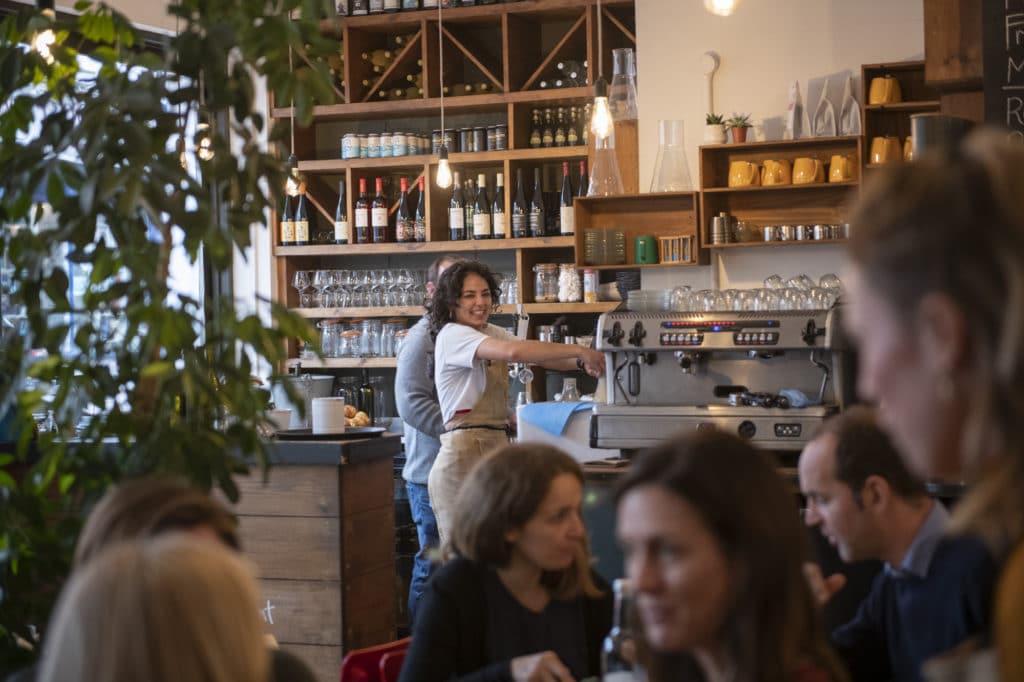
442	305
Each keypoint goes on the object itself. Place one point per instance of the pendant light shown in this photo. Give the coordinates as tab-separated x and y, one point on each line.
42	40
443	179
601	117
291	187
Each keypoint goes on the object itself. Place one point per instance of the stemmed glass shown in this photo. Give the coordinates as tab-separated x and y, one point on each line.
321	281
300	280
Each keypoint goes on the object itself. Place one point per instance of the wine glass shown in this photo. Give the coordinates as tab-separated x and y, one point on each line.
300	280
321	280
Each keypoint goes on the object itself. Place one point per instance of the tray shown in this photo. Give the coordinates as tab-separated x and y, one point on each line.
350	433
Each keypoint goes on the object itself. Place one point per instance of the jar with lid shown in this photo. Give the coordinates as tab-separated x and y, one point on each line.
371	338
545	285
570	289
590	285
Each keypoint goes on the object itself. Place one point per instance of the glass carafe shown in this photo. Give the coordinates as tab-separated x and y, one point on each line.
622	97
569	392
605	179
671	171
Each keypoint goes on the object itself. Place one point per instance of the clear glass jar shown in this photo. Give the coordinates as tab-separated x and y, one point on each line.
330	337
545	284
371	338
569	393
570	288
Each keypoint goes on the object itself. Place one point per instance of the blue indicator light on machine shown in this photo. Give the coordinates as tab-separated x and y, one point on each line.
716	328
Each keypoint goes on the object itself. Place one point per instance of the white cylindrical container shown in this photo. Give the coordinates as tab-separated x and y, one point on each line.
328	415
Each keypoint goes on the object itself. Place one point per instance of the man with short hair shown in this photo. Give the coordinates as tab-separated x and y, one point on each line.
416	401
936	589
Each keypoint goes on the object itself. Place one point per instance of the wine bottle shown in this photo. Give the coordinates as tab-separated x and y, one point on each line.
392	5
366	397
547	136
481	210
405	228
379	214
584	180
360	7
302	218
469	197
520	209
572	134
341	216
560	135
362	219
618	651
287	236
456	212
535	133
381	58
537	207
420	220
567	217
499	222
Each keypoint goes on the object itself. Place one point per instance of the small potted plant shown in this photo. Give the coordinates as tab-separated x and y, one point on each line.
739	124
714	129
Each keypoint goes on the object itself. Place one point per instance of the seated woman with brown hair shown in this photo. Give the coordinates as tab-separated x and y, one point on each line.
519	600
715	549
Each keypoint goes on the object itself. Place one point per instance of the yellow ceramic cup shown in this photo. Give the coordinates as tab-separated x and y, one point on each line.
776	172
884	90
886	149
842	168
744	174
908	149
807	171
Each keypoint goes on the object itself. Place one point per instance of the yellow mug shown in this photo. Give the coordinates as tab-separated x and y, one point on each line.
884	90
842	168
807	171
776	172
886	149
908	149
744	174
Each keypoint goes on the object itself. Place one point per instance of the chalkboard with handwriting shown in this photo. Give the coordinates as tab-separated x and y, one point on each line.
1004	65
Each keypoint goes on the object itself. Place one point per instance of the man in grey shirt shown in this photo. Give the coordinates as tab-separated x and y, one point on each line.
416	400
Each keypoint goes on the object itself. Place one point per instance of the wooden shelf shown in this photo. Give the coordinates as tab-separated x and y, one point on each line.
642	266
781	188
927	105
344	363
463	158
425	247
790	242
783	144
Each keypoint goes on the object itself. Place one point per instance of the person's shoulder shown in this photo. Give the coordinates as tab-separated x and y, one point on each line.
287	667
495	331
458	573
965	551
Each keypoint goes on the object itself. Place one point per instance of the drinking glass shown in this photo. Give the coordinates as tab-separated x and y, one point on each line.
300	280
321	280
774	282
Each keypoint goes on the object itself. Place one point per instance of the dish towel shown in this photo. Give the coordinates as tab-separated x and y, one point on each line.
551	417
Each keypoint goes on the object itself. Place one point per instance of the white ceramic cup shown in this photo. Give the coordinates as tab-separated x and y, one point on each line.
328	415
281	419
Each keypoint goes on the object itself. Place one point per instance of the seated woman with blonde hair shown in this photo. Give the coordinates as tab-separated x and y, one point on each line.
715	550
519	600
164	610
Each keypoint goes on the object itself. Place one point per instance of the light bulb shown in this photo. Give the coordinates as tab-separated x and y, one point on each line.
41	43
601	119
443	179
722	8
205	150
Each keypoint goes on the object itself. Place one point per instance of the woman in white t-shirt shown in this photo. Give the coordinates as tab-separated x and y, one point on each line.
471	360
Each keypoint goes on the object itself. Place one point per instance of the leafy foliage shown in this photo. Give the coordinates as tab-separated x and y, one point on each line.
738	121
174	390
713	119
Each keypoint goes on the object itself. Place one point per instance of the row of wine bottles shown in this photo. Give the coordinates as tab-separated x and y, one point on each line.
562	126
361	7
474	214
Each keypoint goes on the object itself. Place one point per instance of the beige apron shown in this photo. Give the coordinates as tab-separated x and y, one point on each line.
466	442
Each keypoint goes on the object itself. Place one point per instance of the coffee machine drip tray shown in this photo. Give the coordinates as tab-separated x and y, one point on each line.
643	426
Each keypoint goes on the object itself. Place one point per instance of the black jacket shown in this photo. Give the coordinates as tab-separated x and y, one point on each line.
450	637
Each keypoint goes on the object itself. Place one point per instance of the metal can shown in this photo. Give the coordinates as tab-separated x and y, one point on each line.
364	147
435	141
803	233
821	232
385	145
500	137
491	135
350	146
466	139
480	139
372	145
770	233
590	285
399	144
451	140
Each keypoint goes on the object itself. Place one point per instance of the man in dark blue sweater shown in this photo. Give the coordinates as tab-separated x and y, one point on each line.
935	590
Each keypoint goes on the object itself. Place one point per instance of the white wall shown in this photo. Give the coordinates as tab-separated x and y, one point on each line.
763	47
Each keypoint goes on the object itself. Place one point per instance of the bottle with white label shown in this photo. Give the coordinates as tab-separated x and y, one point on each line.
456	212
362	220
481	210
565	211
499	221
341	216
379	214
302	218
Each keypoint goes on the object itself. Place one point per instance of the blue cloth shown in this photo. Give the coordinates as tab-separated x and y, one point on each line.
426	531
907	619
551	417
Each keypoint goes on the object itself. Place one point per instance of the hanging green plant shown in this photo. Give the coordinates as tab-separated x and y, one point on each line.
145	380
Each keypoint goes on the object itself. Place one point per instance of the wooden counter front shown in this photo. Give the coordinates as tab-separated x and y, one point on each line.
321	533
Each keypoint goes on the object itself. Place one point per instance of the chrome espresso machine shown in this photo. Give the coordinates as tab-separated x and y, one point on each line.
769	377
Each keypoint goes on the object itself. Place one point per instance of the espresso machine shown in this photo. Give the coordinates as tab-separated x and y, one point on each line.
769	377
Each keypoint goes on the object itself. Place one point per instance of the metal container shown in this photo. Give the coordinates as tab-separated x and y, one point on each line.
480	139
835	231
720	230
500	137
769	233
545	332
308	386
787	233
466	139
821	232
399	144
350	146
803	232
373	146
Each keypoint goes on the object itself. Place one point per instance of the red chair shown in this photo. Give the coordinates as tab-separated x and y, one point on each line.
363	665
391	665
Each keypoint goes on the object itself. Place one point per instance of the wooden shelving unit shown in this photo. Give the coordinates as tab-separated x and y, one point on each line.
809	204
774	244
893	119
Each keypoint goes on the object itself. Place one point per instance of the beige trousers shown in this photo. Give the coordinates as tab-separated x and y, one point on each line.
460	451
